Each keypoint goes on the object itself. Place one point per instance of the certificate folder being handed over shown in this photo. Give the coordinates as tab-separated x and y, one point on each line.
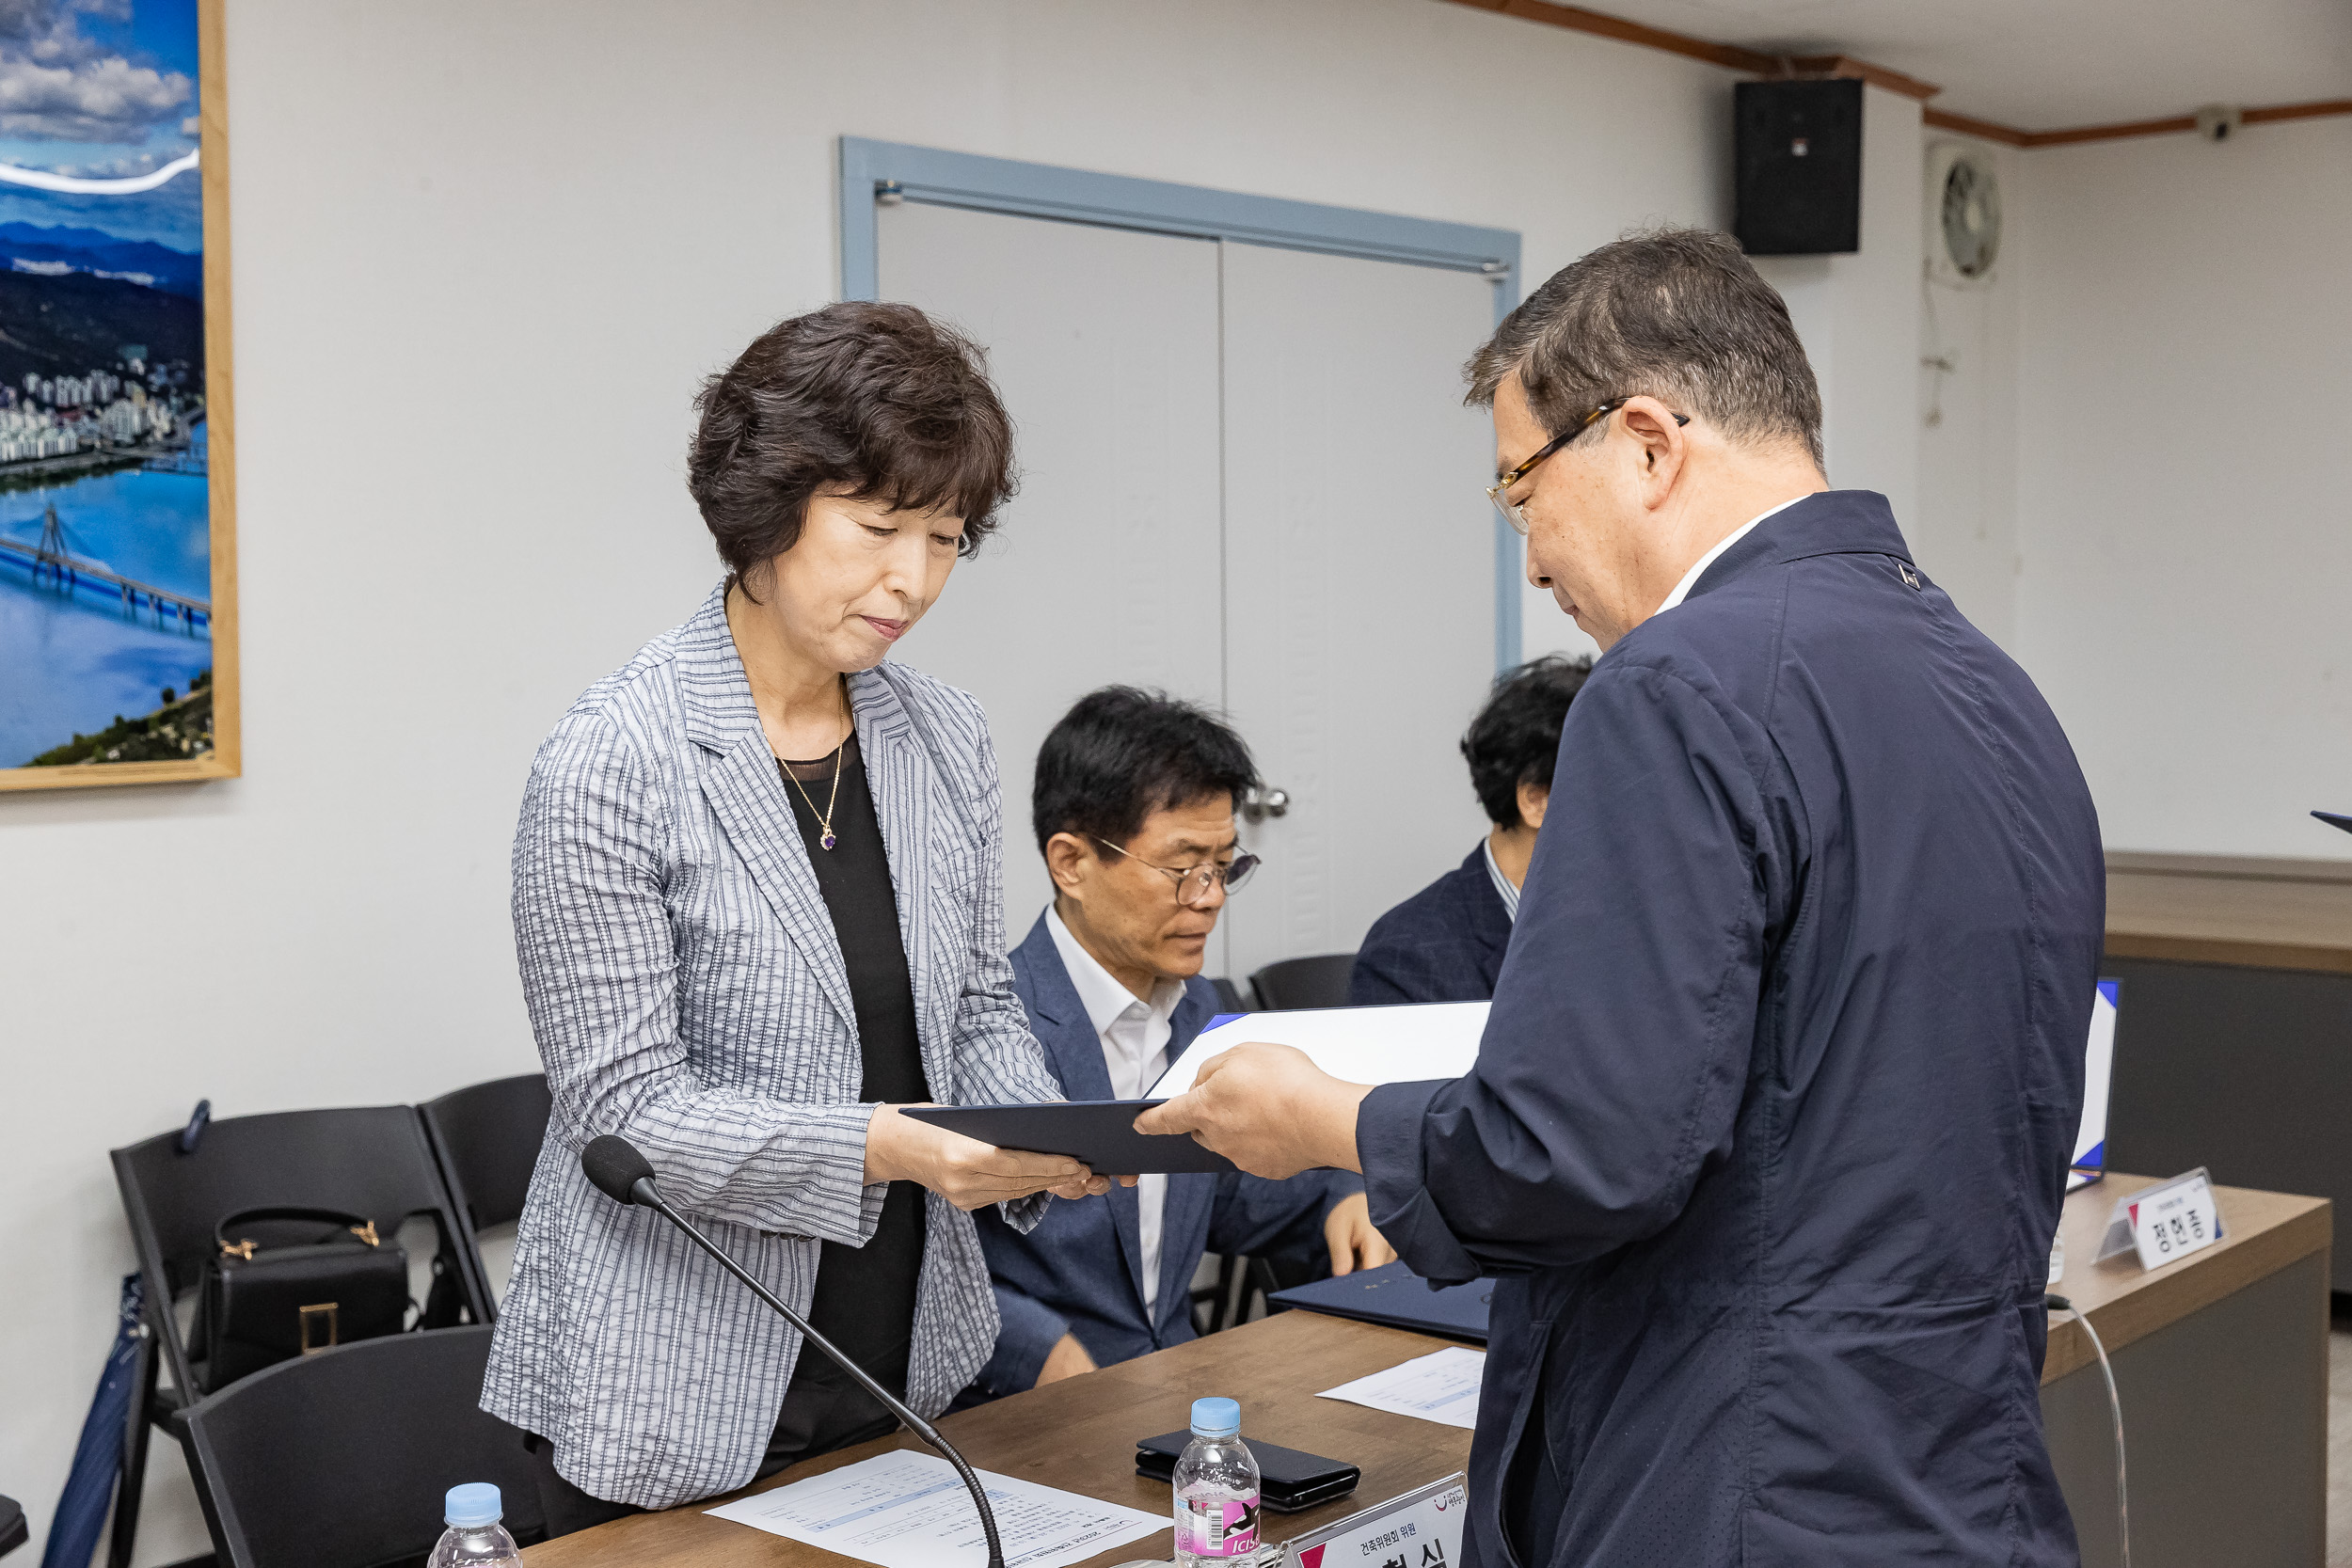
1402	1044
1362	1045
1102	1132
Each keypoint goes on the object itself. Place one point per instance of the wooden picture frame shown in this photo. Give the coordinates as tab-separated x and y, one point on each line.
224	760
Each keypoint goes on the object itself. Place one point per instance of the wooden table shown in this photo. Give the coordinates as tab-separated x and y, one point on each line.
2221	1357
1080	1435
2221	1368
2231	909
2262	1232
2233	1050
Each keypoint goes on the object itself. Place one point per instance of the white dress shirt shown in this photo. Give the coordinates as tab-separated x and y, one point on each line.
1505	889
1134	1036
1691	577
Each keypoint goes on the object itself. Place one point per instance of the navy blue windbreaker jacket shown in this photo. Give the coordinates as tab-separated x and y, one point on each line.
1444	943
1769	1127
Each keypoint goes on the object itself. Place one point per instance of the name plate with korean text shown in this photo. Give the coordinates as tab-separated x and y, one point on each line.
1421	1528
2164	1223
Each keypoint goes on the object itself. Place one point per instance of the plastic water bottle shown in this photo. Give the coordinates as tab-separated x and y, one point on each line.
1216	1491
474	1535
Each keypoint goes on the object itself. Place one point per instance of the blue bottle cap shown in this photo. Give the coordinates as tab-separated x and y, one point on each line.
1216	1417
472	1505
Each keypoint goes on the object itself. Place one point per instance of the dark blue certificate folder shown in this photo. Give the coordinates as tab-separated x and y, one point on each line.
1393	1296
1102	1132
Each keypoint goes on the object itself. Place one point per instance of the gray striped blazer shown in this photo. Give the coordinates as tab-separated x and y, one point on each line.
688	992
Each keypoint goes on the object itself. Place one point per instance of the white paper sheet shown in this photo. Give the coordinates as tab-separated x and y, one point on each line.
1362	1045
1441	1386
909	1509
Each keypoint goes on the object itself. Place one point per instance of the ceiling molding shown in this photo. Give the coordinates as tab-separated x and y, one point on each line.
1846	65
2166	126
2268	115
1732	57
1943	119
2299	111
1577	20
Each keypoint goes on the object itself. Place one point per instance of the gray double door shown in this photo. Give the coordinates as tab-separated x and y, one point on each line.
1248	479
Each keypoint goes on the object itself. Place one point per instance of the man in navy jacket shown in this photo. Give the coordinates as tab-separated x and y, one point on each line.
1445	943
1768	1132
1134	811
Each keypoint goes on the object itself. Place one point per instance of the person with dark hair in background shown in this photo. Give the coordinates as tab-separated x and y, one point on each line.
721	847
1445	943
1134	813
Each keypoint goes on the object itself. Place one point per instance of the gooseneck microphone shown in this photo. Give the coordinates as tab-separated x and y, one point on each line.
617	1169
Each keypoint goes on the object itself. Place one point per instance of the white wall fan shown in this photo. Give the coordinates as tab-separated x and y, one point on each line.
1964	214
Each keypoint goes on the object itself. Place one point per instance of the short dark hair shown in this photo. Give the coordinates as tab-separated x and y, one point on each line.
1677	314
872	402
1516	738
1121	753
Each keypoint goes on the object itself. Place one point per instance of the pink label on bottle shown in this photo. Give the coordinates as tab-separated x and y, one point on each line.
1227	1528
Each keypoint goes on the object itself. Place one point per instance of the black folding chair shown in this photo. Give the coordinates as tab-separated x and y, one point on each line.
1233	997
1317	982
342	1459
1244	1283
14	1532
486	1138
373	1161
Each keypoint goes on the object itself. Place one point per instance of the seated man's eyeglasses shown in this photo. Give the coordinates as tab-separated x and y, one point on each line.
1194	883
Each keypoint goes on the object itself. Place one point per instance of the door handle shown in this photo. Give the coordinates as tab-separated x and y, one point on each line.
1258	804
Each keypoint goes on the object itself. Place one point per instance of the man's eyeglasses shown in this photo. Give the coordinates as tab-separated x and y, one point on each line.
1194	883
1500	493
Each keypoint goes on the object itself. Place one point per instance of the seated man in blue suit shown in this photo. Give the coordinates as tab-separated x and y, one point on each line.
1445	943
1134	811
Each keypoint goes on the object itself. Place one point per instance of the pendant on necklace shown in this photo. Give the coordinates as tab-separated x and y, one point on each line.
825	842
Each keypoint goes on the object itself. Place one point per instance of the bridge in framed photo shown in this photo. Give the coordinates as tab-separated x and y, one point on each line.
67	573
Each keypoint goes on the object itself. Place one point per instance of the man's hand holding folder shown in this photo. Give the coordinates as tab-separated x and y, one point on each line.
1268	1108
1276	1109
1242	1092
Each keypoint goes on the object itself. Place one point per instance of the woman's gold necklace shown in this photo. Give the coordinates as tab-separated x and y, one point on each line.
824	818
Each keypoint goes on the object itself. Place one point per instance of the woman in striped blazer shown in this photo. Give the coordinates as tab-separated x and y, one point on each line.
758	906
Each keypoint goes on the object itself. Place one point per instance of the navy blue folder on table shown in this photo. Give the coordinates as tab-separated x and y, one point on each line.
1393	1296
2340	821
1102	1132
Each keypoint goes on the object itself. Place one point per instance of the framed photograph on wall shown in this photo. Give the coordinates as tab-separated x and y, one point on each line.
118	515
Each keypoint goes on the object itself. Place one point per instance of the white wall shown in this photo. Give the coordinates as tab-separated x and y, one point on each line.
483	256
1963	528
1858	315
2185	479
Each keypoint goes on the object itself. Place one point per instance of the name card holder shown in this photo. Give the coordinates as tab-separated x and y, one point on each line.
2164	1223
1421	1528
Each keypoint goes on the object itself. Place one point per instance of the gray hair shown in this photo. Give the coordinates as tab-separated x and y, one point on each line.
1677	314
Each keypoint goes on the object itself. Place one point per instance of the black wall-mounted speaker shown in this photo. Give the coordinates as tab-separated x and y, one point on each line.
1797	188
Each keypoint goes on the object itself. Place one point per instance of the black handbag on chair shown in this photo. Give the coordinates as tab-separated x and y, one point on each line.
288	1282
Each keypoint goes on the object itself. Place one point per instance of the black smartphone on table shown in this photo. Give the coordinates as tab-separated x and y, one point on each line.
1289	1482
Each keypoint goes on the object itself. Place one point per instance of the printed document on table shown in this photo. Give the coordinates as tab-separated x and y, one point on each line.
909	1510
1441	1386
1361	1045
